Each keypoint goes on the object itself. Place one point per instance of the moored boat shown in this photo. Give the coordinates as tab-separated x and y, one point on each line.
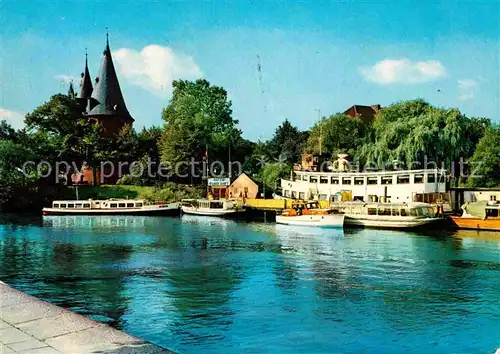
207	207
479	216
310	214
387	215
110	207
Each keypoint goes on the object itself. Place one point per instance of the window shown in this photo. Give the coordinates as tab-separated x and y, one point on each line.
404	179
294	194
71	206
387	180
431	178
112	205
372	211
121	205
395	212
359	180
346	180
492	212
86	206
313	179
404	212
335	180
493	198
323	197
302	195
418	179
138	205
323	180
63	205
78	206
372	180
304	178
384	211
56	205
286	193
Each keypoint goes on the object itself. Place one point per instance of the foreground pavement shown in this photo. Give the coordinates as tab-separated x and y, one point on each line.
32	326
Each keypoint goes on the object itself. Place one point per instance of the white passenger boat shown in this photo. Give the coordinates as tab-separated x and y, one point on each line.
387	215
207	207
310	214
110	207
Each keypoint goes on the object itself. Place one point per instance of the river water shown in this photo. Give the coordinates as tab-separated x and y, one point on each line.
204	285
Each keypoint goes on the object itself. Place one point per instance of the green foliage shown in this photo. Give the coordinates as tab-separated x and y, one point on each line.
485	163
198	117
272	172
287	143
338	133
6	131
414	133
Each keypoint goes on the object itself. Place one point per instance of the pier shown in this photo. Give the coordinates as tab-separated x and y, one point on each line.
32	326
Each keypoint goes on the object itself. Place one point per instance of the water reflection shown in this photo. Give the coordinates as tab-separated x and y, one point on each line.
206	285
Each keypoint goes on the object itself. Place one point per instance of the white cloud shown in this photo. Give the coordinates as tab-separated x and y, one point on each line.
155	67
467	89
15	119
66	78
406	71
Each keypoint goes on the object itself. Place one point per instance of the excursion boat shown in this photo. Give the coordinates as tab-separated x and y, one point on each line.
207	207
310	214
479	216
387	215
111	207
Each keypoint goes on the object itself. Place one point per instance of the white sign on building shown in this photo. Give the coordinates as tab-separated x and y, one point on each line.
219	182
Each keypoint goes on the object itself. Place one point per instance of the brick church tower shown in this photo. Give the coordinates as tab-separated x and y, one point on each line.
104	102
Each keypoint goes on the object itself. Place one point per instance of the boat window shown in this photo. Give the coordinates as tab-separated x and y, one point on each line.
395	211
313	179
63	205
335	180
56	205
359	180
294	194
404	212
323	197
404	179
372	180
384	211
431	178
112	205
323	180
71	205
302	195
130	205
121	205
286	193
493	198
86	206
346	180
492	213
304	178
138	205
413	212
372	211
78	206
418	179
387	180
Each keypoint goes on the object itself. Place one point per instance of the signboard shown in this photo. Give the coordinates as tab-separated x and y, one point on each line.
219	182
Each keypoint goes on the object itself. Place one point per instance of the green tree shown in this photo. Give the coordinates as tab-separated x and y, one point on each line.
198	117
287	143
6	131
335	134
485	163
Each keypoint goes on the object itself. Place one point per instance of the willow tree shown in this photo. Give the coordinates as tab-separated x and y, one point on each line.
417	134
485	163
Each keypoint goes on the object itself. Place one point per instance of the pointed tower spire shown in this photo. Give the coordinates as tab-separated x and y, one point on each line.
85	83
107	93
71	90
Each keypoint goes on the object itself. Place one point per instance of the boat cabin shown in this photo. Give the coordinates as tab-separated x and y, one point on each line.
208	204
419	210
98	204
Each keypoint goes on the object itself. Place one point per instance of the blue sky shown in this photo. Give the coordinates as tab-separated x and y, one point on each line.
322	55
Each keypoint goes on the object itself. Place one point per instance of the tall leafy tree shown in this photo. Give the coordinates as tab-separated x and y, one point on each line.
286	143
199	116
6	131
485	163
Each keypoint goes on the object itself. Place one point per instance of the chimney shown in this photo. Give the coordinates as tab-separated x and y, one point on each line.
376	107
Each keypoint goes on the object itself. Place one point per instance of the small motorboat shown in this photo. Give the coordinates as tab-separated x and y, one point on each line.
207	207
310	214
111	207
479	216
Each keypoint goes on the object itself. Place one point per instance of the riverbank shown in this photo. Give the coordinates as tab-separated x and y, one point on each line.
30	325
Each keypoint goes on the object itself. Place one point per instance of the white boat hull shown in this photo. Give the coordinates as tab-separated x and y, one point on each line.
210	212
389	223
162	209
330	220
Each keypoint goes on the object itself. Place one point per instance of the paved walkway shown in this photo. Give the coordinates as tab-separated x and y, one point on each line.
31	326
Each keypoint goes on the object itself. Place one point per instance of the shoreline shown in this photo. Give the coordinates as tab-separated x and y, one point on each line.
31	325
